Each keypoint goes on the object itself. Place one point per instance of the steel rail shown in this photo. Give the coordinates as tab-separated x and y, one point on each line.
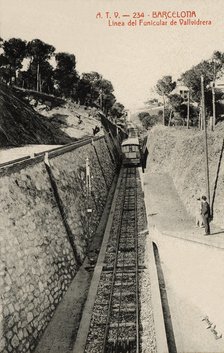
114	273
122	276
136	269
129	203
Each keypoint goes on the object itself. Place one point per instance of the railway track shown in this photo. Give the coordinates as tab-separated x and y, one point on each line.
114	326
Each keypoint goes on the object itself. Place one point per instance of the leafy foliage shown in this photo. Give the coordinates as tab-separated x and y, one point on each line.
211	70
165	86
11	60
117	110
89	89
65	74
175	101
148	120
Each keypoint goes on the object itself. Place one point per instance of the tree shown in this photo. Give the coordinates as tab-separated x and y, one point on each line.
12	58
39	53
106	97
218	61
152	101
117	110
47	77
5	72
148	120
88	93
142	115
192	78
65	74
177	107
85	88
211	70
108	102
163	88
93	89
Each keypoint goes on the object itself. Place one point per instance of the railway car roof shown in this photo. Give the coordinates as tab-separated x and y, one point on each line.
130	141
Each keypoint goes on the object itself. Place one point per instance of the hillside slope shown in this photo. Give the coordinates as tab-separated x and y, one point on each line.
180	153
20	124
76	121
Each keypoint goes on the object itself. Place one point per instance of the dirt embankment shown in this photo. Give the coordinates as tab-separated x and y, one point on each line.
20	124
74	120
34	118
180	153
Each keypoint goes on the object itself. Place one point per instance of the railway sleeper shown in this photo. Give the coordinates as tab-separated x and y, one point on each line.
126	267
123	283
128	236
121	347
129	339
128	242
122	266
129	206
129	231
130	186
124	248
128	220
122	324
122	270
124	310
125	305
128	278
123	293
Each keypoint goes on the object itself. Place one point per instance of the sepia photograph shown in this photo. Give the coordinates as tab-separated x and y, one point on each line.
111	176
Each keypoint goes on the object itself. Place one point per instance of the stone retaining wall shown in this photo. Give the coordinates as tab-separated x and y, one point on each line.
44	235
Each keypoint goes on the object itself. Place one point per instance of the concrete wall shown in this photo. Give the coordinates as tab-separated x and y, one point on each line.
44	236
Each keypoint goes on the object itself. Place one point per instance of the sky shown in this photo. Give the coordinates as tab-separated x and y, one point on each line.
133	58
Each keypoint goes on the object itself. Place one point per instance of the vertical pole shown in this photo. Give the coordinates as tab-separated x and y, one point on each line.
171	112
205	140
38	69
40	83
101	99
200	117
88	193
164	110
213	106
88	185
188	109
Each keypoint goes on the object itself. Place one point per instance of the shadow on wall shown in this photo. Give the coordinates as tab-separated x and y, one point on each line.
165	304
63	215
217	178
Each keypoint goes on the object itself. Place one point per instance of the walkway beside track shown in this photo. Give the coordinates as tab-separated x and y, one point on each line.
191	267
168	214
